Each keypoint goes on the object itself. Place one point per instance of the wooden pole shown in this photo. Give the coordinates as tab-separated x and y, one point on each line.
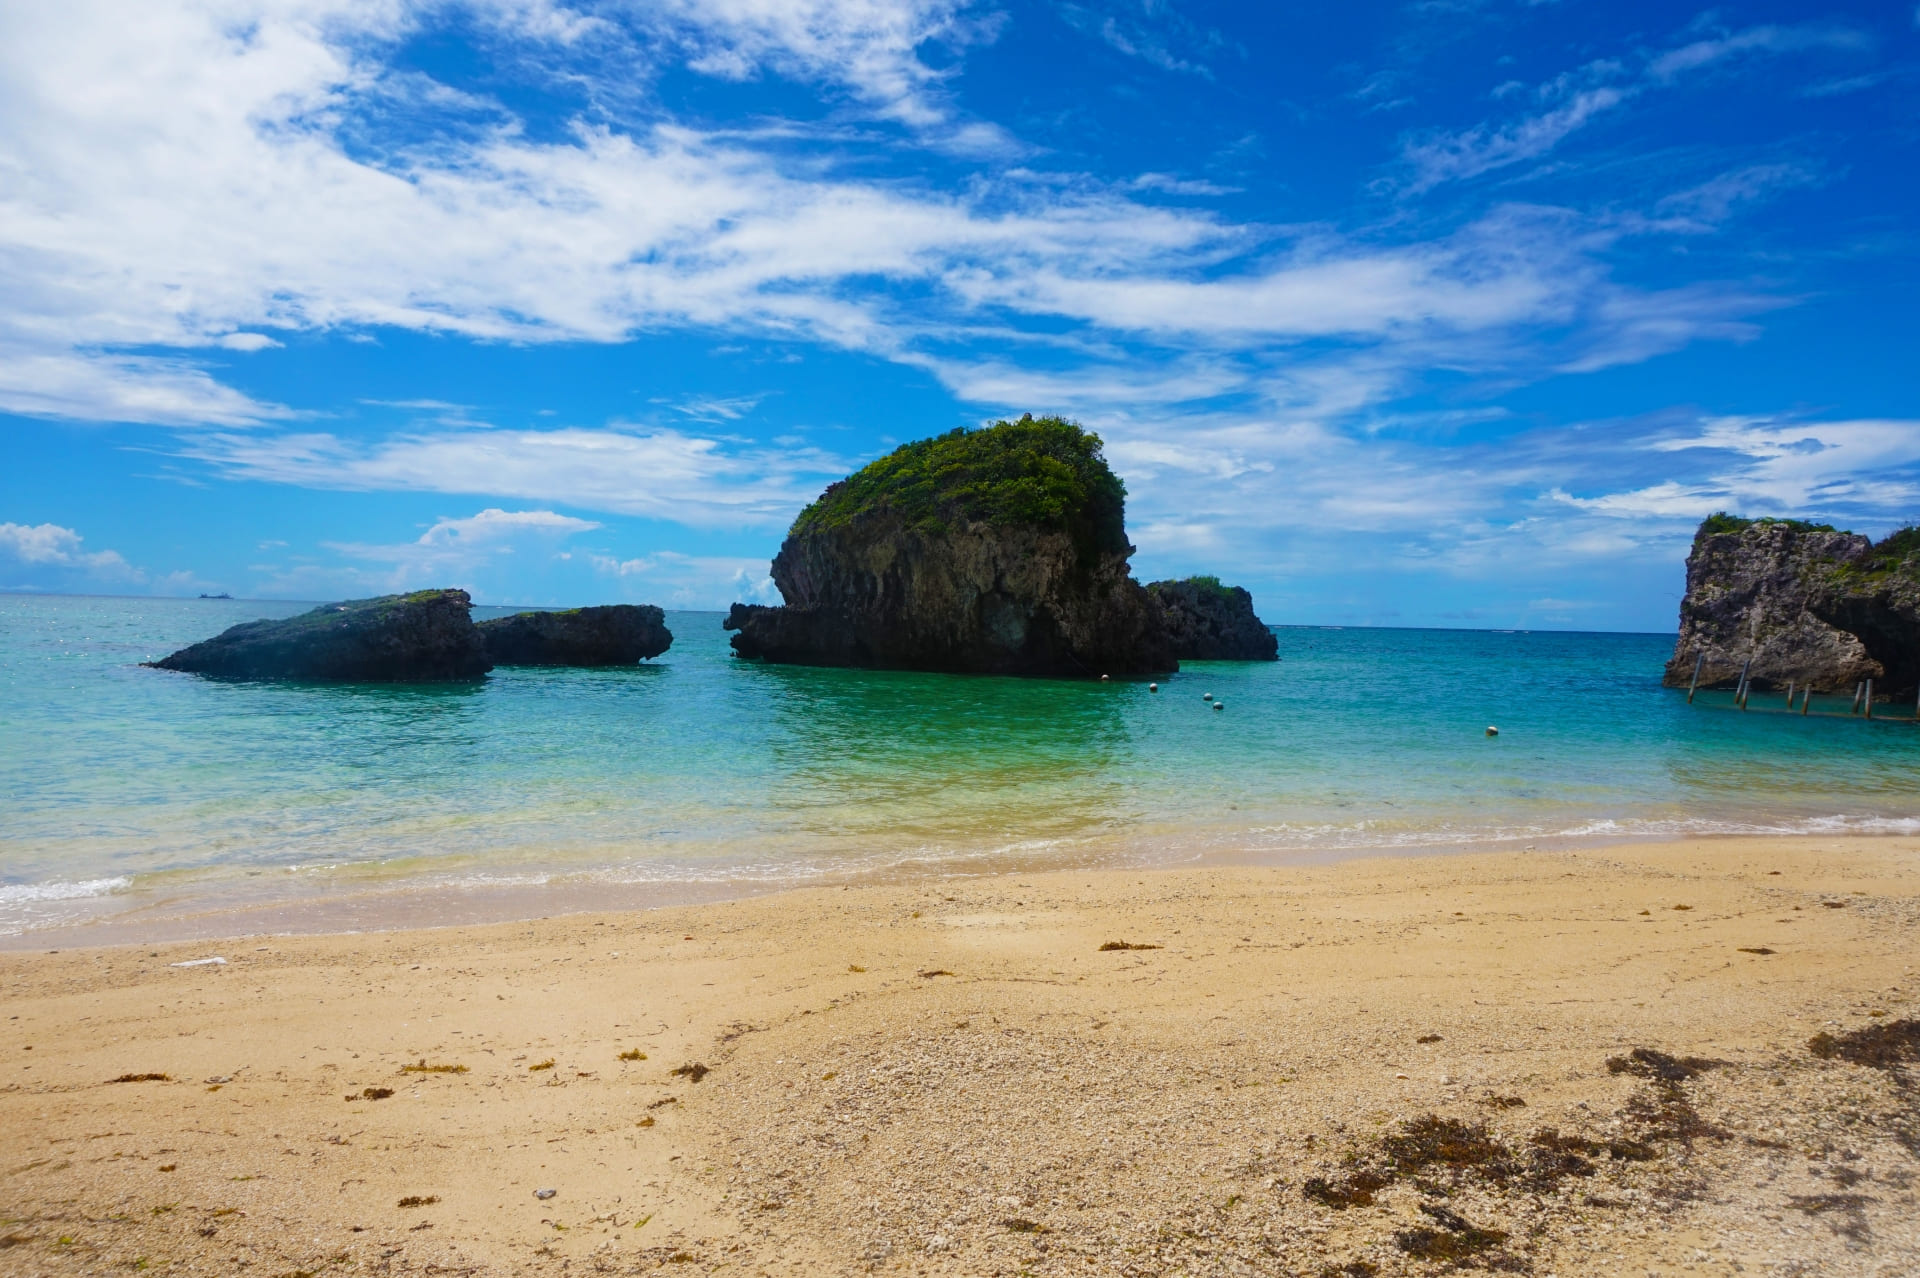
1869	699
1806	696
1740	689
1789	694
1855	707
1696	680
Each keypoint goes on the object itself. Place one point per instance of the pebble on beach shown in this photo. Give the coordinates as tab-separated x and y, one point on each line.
544	1194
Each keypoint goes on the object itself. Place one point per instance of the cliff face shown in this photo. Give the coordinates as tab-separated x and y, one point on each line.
614	635
995	551
1810	605
426	635
1211	622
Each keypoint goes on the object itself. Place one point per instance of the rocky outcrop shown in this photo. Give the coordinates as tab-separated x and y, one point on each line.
1211	622
1805	603
427	635
613	635
999	550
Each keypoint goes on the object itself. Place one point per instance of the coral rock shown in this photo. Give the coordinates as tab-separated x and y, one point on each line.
1807	604
613	635
999	550
1211	622
426	635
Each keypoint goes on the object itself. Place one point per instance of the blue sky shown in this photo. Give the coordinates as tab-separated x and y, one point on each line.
1443	313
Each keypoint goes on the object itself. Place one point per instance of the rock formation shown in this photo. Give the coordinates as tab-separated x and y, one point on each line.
614	635
1211	622
428	634
1805	603
1001	550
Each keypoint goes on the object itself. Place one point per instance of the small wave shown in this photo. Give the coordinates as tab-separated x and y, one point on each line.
27	906
1380	836
31	893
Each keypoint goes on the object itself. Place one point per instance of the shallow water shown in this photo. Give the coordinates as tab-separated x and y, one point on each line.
130	792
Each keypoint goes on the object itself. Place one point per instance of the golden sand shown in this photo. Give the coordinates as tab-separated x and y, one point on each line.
1380	1066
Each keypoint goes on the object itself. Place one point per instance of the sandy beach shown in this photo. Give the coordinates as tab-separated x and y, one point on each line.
1581	1062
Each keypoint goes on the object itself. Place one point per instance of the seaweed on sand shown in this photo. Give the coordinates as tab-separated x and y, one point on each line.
1647	1062
1883	1046
1457	1239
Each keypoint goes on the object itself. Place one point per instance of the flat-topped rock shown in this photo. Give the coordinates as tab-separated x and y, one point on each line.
426	635
1210	622
610	635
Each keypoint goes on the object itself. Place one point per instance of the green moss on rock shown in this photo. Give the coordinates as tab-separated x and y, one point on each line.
1046	472
1721	522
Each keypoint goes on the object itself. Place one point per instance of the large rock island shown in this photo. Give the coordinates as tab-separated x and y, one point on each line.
611	635
1805	603
1001	550
1211	622
426	635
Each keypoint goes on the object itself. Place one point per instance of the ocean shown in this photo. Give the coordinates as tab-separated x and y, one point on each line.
140	804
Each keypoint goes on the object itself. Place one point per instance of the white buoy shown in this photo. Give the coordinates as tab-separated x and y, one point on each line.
1492	731
1103	678
1153	687
1219	705
1206	696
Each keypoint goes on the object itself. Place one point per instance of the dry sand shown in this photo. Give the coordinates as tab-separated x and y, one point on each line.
1344	1070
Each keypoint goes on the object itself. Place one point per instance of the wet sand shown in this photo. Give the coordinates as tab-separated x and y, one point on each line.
1391	1066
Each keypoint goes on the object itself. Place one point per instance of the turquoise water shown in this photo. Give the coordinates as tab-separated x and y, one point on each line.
131	792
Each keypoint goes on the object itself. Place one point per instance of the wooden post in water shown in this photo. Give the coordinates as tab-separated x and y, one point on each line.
1869	699
1691	687
1789	694
1740	688
1806	696
1855	707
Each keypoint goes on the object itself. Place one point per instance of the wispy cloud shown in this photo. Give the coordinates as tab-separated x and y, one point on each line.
1730	45
660	474
1571	101
1147	30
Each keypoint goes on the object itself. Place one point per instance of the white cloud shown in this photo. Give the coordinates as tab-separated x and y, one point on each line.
456	549
224	190
50	546
660	474
1792	467
493	525
698	581
872	47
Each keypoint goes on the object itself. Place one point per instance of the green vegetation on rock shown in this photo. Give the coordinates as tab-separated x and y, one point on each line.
1209	585
1895	555
1721	522
1041	471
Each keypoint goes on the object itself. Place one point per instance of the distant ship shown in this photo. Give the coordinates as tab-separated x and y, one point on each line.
222	595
